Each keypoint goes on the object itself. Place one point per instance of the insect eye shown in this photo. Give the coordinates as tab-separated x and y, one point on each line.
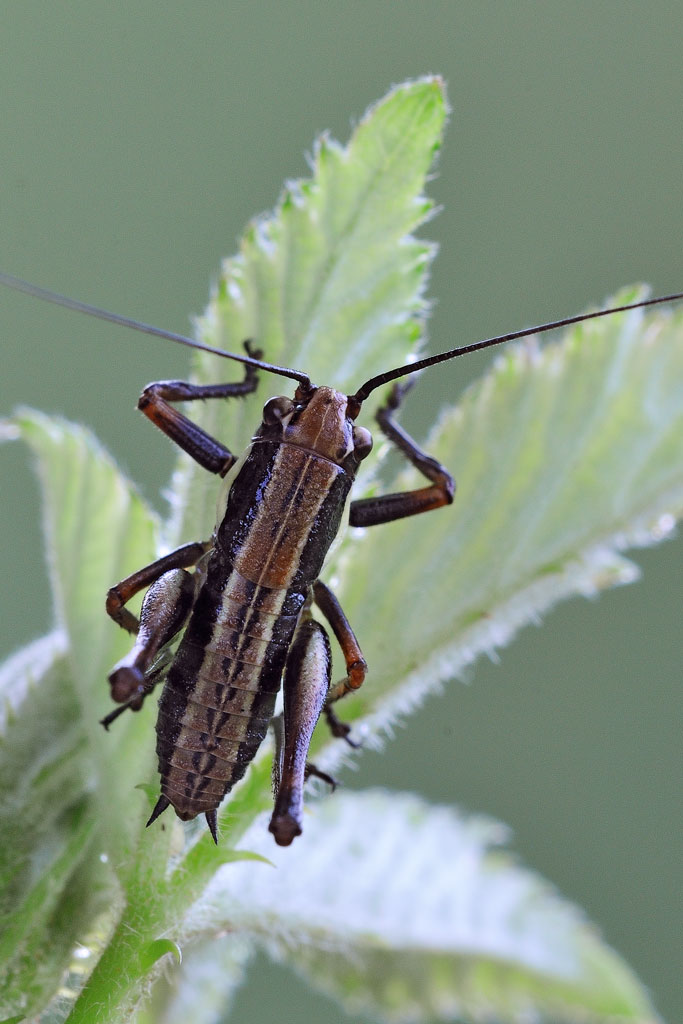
362	442
276	409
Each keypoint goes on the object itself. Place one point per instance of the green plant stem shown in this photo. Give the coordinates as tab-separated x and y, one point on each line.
156	906
115	984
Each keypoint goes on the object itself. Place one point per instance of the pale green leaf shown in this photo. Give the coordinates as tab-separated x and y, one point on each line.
564	456
336	261
202	990
409	912
332	281
50	886
154	951
67	805
97	530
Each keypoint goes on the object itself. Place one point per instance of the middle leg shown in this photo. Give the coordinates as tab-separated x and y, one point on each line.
385	508
356	666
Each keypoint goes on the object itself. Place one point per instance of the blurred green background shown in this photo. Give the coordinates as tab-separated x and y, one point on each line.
137	140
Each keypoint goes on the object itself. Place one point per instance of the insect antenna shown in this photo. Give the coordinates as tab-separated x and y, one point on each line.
123	321
441	357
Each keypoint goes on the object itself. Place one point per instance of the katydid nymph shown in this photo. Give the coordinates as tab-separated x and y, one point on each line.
245	608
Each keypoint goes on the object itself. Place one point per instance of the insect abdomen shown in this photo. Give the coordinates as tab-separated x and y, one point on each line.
220	694
282	512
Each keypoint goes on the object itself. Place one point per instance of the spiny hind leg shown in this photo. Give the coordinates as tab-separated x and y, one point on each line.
305	686
311	771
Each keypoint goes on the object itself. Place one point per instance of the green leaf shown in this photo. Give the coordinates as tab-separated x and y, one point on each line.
409	912
564	456
45	824
97	531
332	282
67	790
154	951
202	991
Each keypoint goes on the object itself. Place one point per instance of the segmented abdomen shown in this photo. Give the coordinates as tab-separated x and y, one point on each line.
282	512
220	692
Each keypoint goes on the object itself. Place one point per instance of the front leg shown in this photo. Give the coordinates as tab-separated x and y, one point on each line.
204	449
387	507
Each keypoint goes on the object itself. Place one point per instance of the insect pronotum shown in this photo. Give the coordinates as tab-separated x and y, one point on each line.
246	607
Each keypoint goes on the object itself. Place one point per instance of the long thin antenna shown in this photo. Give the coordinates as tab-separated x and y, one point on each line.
420	364
123	321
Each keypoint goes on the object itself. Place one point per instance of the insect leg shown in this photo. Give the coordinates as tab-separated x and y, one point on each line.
134	703
120	594
165	609
310	771
356	666
204	449
387	507
306	681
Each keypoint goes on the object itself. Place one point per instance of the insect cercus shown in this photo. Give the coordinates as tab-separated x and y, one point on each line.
246	606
